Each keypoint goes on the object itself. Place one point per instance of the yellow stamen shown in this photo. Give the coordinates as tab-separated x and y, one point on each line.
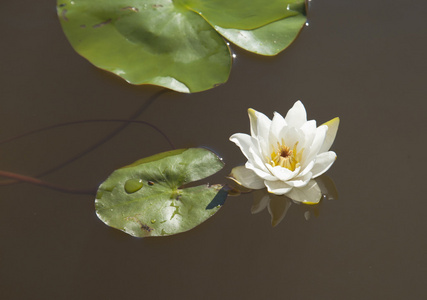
285	157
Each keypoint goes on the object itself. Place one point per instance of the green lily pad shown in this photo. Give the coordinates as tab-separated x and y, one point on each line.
147	42
176	44
269	39
149	197
241	14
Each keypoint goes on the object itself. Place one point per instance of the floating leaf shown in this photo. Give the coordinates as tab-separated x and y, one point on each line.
176	43
149	197
147	42
269	39
241	14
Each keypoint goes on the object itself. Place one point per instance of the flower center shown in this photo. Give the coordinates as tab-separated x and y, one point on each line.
285	151
285	157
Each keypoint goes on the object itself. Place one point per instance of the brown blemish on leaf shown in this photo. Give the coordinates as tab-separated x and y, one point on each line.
130	8
102	24
142	225
157	5
63	15
146	227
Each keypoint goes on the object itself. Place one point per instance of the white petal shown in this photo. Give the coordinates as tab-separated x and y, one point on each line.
331	134
278	207
319	138
257	161
316	144
309	132
261	200
260	173
277	187
246	145
309	126
297	115
292	135
247	178
244	142
277	124
300	181
307	168
281	173
263	146
309	194
323	162
260	123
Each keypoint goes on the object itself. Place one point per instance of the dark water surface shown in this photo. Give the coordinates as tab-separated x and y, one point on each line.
364	61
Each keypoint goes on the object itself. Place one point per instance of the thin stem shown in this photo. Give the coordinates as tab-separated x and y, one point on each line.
7	182
90	121
106	138
32	180
22	178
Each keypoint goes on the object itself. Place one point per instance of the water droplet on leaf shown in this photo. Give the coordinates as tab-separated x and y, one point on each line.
133	185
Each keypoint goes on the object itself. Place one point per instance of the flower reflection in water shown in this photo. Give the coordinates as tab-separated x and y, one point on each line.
278	206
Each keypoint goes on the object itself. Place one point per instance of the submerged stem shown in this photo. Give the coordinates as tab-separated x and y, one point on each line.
81	154
32	180
15	178
101	141
90	121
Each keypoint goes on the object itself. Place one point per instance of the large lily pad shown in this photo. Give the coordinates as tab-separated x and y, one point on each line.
147	42
149	197
177	43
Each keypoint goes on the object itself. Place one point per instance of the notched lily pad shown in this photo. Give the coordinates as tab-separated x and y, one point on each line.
177	44
147	42
149	197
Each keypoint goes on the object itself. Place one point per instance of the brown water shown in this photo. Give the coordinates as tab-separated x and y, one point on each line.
363	61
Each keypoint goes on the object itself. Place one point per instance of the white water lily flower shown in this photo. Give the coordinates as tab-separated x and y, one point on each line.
286	154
